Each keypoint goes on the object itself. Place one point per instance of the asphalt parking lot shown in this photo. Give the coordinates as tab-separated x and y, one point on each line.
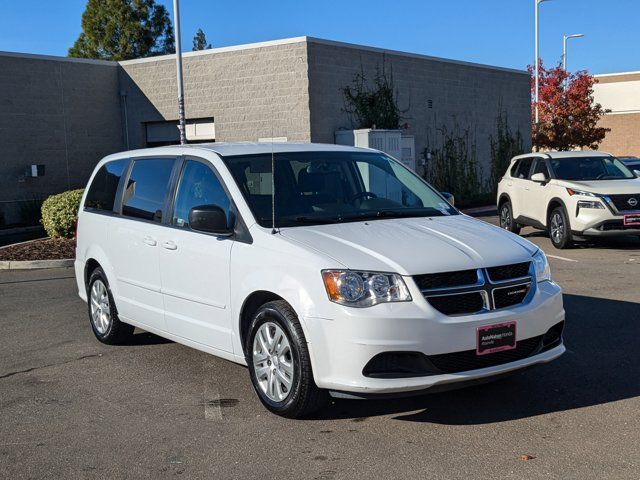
71	407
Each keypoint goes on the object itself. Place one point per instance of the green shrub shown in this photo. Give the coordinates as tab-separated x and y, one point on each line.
60	213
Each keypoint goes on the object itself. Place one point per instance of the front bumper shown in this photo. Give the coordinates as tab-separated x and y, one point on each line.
341	346
604	222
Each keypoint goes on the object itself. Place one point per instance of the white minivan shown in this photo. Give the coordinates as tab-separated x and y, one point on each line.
344	273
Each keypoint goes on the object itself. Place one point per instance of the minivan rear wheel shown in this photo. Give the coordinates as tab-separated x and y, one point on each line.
279	362
103	315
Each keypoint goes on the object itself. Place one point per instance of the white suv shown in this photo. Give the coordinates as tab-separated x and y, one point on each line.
573	195
354	278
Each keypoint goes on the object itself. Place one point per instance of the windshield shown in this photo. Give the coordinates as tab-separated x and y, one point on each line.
328	187
590	168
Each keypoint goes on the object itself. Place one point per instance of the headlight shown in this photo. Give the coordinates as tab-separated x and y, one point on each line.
573	192
589	204
543	271
364	289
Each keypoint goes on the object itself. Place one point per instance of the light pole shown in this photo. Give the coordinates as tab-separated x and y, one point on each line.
176	25
537	59
564	50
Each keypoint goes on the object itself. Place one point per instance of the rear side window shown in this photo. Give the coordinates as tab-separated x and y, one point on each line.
198	186
146	188
522	168
102	192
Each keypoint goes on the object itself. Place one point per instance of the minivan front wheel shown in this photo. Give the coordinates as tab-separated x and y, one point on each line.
103	315
279	362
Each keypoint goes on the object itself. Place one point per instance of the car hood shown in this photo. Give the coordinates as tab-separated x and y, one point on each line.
411	246
605	187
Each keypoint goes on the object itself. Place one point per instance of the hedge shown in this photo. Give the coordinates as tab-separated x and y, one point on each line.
60	213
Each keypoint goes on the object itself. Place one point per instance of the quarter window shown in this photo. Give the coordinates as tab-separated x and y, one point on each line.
198	186
102	192
146	189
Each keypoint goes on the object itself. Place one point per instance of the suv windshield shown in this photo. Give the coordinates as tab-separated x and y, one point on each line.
327	187
590	168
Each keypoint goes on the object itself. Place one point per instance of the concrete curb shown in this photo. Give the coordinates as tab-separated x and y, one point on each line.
480	210
35	264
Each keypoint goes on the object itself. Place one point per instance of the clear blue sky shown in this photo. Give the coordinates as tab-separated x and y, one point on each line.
496	32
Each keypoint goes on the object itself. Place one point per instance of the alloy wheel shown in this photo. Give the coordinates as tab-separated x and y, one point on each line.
100	308
557	228
505	218
273	361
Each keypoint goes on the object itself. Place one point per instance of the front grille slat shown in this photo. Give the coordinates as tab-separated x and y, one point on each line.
468	292
446	279
461	304
508	272
510	296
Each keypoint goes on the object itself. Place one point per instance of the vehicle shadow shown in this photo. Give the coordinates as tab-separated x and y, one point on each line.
140	337
601	365
628	242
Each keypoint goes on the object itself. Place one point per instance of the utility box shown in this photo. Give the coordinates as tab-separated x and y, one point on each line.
408	156
387	141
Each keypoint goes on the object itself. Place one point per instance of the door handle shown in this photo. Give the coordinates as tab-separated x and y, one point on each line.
149	241
169	245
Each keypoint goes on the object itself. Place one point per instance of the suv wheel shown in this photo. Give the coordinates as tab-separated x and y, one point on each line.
559	228
279	362
103	315
506	218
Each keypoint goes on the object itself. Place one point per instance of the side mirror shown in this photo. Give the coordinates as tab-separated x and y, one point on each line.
637	173
538	178
449	197
210	219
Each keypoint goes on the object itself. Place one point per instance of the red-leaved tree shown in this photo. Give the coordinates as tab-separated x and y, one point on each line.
567	112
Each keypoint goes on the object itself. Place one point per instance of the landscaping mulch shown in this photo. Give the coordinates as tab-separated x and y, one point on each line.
45	249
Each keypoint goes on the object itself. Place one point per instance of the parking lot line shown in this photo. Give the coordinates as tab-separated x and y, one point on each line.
562	258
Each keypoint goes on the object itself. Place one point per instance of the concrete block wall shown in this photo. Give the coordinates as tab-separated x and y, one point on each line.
458	92
62	113
252	92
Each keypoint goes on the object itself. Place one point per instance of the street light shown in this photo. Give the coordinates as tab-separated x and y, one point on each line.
537	68
564	48
176	25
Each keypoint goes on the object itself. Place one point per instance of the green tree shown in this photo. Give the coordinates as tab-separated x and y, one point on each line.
200	41
123	29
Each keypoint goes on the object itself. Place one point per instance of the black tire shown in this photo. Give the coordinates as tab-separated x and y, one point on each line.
560	228
506	218
116	332
304	397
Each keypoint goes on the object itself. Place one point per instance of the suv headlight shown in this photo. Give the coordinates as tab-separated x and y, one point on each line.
589	204
541	264
573	192
364	289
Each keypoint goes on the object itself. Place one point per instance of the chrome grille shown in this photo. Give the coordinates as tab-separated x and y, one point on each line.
483	290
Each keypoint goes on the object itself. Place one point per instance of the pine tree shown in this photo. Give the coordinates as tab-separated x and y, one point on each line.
123	29
200	41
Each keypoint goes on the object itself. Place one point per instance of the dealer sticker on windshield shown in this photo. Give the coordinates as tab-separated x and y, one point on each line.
496	338
632	219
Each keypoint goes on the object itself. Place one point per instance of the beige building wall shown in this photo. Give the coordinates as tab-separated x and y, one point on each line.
251	91
434	92
58	112
621	94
